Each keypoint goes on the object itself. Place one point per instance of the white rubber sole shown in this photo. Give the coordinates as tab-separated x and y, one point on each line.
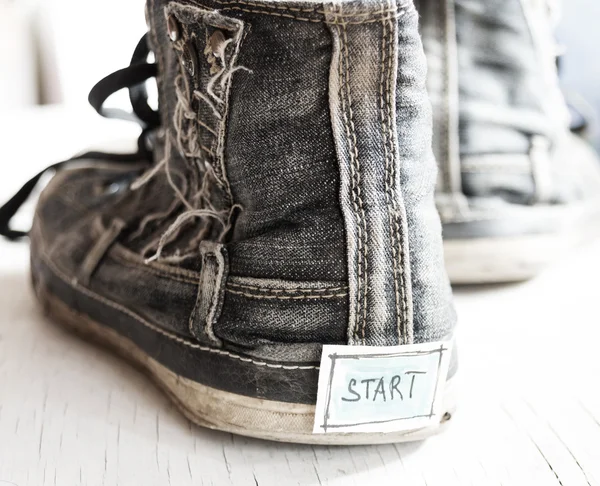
517	258
501	260
225	411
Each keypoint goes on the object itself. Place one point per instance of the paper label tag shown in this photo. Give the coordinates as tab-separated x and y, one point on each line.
381	388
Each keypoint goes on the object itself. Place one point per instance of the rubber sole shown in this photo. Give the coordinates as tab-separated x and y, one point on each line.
501	260
225	411
515	258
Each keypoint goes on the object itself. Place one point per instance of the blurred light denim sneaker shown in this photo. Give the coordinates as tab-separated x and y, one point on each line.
515	187
283	200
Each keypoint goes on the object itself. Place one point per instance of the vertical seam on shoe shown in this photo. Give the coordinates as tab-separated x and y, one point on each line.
403	249
404	320
388	145
362	218
215	283
216	304
444	145
450	150
341	95
355	170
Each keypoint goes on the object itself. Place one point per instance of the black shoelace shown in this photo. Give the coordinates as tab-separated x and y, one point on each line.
132	78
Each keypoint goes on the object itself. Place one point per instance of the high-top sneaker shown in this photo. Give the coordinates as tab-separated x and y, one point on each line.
272	255
515	188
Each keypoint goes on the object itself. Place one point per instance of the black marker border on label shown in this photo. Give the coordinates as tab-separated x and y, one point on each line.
334	357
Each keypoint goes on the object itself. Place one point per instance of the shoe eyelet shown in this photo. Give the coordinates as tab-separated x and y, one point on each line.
216	44
111	188
189	60
173	28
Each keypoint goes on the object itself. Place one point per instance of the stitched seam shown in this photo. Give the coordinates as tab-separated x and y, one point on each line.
286	297
152	271
450	180
446	102
358	185
353	192
159	330
192	318
284	291
367	14
277	7
306	19
275	14
149	269
297	17
341	19
366	21
440	142
403	321
344	61
389	178
399	228
314	10
163	270
218	293
355	171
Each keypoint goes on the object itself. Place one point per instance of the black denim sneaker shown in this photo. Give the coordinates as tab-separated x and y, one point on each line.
516	188
278	218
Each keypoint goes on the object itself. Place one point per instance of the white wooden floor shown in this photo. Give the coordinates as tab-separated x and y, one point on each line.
71	414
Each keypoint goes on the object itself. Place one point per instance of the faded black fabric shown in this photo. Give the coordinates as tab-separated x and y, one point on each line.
249	156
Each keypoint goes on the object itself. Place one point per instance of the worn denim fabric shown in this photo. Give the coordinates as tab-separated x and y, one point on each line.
290	204
509	89
493	78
